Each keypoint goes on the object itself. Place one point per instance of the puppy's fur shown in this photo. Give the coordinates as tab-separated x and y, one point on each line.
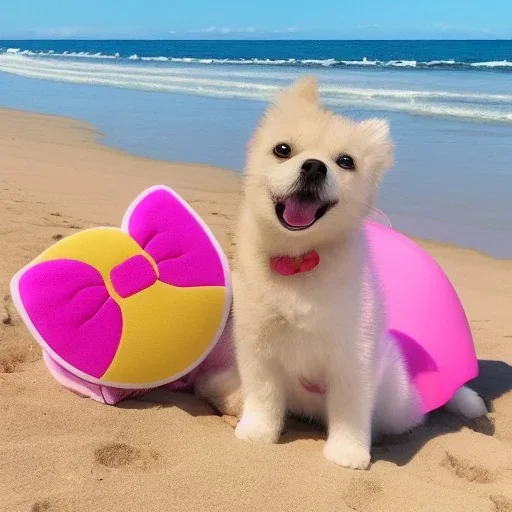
325	326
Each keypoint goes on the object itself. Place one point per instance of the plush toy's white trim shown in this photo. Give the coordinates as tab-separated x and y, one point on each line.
18	303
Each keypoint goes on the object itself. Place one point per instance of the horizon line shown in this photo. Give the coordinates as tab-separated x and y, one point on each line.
250	39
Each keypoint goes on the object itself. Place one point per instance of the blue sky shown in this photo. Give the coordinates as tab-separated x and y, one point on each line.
258	19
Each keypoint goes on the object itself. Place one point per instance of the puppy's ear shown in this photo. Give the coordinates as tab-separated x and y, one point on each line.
377	141
305	88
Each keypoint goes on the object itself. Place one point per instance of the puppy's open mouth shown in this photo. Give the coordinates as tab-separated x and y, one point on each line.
297	214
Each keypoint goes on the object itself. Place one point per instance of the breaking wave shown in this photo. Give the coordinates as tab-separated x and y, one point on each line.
453	64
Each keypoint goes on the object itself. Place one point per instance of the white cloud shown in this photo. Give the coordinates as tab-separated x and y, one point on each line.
240	31
75	33
222	30
373	25
57	32
288	30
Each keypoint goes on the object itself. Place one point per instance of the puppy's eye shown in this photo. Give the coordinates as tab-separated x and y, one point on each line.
283	150
346	162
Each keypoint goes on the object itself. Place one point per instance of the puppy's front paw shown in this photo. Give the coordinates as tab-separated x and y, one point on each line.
251	428
347	453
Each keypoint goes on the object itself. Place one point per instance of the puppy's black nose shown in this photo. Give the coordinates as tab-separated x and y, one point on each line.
313	169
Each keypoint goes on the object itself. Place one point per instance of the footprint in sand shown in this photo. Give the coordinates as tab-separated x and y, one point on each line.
119	455
362	492
41	506
502	503
466	471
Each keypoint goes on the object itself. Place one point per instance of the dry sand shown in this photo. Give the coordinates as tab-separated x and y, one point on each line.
170	452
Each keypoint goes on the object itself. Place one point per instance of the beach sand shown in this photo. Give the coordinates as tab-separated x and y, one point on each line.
171	452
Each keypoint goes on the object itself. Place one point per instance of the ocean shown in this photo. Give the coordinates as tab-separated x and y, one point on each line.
449	104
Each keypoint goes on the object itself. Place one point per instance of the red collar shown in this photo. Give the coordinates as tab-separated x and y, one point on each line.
312	387
288	266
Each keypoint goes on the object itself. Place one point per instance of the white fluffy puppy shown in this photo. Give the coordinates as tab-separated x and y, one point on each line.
308	316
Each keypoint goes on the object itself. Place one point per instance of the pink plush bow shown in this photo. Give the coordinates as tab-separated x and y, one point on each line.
68	301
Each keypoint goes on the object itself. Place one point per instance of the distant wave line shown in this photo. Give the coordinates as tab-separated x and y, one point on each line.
331	62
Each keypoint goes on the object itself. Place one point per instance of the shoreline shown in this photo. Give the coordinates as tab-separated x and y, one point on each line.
69	134
98	138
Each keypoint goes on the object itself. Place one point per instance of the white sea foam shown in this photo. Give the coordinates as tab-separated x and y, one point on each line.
402	63
158	59
364	62
316	62
52	53
262	86
440	62
492	64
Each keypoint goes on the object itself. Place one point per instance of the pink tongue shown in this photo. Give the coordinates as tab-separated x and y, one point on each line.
298	213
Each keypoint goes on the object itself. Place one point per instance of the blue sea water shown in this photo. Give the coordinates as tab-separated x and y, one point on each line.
307	53
449	104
